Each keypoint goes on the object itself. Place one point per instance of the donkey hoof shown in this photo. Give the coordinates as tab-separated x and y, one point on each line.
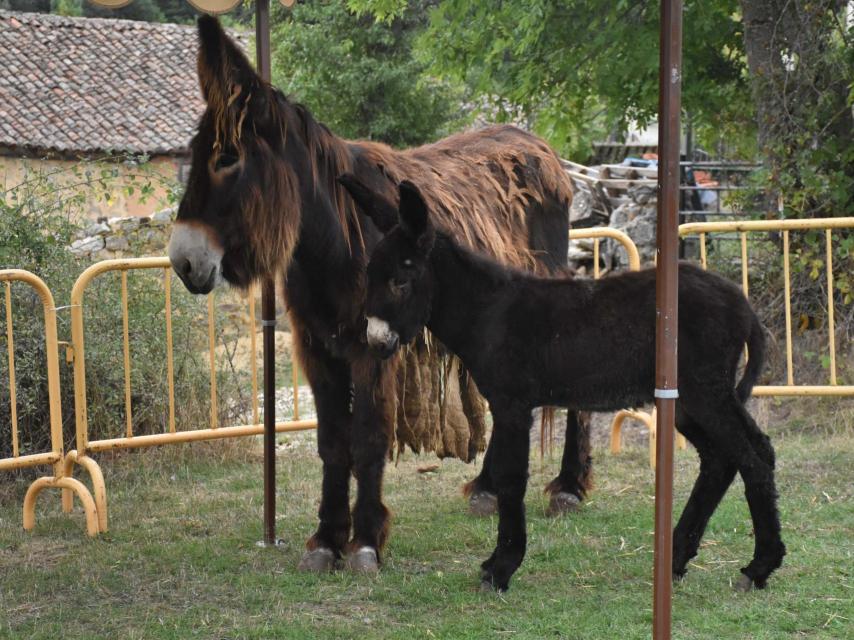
743	584
317	560
486	587
483	503
563	502
363	560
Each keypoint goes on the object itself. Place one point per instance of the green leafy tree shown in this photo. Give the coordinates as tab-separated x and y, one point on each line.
801	59
579	69
361	77
40	6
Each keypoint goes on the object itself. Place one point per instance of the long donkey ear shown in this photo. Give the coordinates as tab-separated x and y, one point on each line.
223	69
379	209
414	217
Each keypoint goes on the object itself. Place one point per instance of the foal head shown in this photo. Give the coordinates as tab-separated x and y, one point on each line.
239	216
400	281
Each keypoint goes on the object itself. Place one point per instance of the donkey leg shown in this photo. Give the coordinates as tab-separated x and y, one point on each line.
481	493
511	436
330	383
756	467
573	481
741	444
716	475
373	413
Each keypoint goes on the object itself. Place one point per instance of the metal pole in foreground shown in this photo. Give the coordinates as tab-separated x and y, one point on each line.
666	304
268	312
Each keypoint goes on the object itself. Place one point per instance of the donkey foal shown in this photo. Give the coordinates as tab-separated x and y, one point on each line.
581	344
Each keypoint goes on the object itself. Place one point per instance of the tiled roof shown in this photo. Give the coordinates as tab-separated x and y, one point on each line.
83	85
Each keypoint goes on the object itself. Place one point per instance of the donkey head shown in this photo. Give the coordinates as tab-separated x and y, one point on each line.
400	282
239	216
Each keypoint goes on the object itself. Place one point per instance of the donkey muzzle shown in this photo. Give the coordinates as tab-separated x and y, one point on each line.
381	338
196	258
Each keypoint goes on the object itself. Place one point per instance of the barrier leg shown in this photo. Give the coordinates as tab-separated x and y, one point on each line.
62	483
617	431
98	485
617	427
67	494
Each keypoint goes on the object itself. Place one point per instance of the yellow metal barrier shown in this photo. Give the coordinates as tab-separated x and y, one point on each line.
171	435
833	388
59	479
596	234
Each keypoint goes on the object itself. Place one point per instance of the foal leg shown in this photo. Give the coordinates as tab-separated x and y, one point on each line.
330	384
373	413
741	444
573	482
716	475
757	471
511	442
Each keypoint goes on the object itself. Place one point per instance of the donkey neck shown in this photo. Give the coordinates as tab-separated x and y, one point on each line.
324	283
317	157
466	286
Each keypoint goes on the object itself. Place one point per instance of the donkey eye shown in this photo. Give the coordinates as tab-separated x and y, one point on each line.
399	286
224	161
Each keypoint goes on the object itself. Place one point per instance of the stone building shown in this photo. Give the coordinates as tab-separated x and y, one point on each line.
102	91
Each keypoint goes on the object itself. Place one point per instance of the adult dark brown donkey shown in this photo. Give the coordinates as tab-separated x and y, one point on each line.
262	199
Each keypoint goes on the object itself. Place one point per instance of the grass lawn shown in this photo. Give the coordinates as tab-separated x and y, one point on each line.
180	560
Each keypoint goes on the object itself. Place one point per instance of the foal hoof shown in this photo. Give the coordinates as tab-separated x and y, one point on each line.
483	503
563	502
318	560
363	560
743	584
486	587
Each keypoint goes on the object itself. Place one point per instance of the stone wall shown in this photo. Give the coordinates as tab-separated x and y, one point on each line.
125	237
636	218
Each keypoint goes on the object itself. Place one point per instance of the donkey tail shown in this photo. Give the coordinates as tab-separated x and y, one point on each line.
755	359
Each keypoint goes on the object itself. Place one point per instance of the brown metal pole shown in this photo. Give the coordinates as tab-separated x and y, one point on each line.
268	312
666	301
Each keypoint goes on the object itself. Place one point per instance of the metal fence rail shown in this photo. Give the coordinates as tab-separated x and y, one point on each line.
54	457
171	434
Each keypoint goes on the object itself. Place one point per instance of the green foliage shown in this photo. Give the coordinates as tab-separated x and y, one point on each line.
360	77
41	6
583	68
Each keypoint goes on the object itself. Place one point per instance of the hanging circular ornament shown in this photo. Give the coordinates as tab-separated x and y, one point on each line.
111	4
214	6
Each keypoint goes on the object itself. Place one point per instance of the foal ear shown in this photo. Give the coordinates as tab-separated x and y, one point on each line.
414	216
222	67
379	209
